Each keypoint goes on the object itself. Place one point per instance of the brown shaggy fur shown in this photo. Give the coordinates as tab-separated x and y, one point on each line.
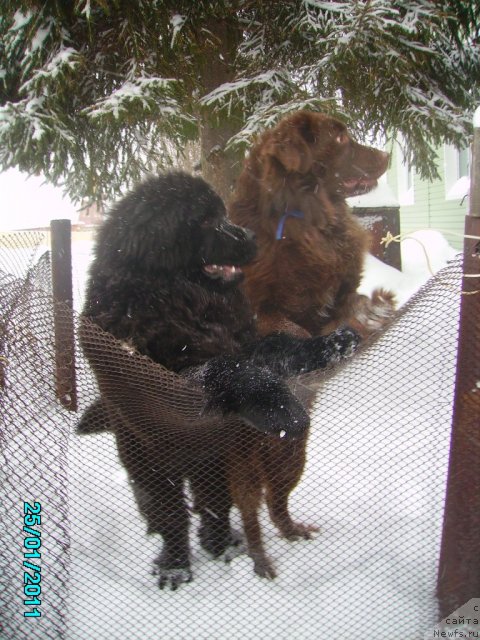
306	282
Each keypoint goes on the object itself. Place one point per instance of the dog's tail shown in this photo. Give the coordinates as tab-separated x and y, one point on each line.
95	419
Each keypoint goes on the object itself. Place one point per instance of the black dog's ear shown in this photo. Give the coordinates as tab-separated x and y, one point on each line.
158	241
144	235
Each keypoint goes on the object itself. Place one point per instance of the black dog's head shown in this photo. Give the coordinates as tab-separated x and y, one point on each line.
175	223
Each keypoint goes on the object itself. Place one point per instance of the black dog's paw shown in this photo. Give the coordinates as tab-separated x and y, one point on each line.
322	351
171	573
173	577
234	551
287	355
237	547
256	394
278	413
221	544
342	342
215	537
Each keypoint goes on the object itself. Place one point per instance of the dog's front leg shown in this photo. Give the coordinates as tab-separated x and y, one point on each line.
258	396
159	493
287	355
160	500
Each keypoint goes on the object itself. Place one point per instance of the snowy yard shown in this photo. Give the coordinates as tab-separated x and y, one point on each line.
374	483
97	94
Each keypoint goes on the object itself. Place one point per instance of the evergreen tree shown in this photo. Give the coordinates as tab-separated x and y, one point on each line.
94	93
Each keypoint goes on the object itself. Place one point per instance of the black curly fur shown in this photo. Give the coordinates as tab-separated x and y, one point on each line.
149	287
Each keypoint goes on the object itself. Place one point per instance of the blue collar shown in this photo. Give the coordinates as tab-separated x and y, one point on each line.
281	224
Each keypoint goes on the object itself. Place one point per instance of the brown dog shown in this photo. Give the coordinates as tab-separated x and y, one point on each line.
304	279
310	247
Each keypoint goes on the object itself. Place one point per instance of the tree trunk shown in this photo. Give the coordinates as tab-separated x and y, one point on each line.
220	167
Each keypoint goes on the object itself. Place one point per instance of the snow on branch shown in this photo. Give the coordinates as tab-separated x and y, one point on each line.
87	10
333	7
276	79
267	115
33	118
41	35
177	21
341	27
149	93
20	20
66	58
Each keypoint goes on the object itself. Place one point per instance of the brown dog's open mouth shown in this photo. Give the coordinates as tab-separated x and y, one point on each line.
225	272
358	186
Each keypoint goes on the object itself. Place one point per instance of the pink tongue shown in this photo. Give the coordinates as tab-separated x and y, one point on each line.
228	272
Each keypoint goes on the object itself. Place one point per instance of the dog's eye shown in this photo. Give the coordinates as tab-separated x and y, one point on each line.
206	222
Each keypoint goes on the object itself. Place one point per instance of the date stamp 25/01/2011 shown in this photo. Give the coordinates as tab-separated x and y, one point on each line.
32	589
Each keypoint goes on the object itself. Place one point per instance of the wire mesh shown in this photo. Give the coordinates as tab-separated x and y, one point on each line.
374	484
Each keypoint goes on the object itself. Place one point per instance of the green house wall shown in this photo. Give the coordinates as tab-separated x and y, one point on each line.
430	209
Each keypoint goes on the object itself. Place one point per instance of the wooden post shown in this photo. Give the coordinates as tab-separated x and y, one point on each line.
459	570
61	241
379	221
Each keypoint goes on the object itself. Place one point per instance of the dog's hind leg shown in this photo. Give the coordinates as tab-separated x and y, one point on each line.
209	484
283	464
246	488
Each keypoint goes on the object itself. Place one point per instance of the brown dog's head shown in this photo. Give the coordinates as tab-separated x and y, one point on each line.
313	143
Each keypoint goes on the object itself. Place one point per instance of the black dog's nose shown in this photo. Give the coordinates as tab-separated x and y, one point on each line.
238	232
250	235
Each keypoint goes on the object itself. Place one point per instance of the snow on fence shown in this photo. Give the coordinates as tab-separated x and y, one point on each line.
374	482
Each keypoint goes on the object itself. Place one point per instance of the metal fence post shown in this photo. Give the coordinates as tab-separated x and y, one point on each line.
61	245
459	569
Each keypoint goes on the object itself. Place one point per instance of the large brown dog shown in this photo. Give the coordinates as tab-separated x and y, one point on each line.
309	263
310	247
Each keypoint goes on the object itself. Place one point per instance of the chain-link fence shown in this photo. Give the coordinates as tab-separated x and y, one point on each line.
374	484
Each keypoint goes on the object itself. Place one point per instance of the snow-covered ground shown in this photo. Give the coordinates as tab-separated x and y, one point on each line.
374	482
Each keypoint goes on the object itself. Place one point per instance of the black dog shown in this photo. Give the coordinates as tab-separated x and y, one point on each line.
164	280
